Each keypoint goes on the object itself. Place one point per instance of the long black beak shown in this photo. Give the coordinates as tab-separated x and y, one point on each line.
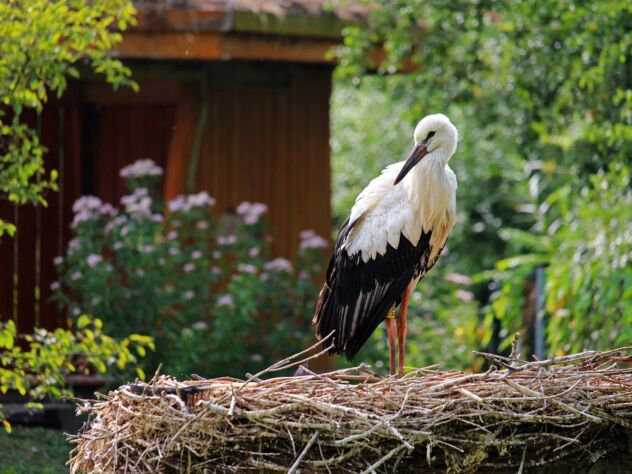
414	157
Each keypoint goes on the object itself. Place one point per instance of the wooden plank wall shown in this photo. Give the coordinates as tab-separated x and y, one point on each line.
26	261
272	145
266	139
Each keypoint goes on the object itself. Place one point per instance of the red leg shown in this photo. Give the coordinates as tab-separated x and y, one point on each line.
390	331
401	327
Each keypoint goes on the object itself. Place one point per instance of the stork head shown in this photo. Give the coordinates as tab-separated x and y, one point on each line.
434	135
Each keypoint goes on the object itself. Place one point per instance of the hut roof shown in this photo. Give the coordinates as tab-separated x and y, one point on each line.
282	30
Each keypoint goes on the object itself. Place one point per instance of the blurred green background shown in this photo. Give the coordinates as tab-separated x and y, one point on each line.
541	93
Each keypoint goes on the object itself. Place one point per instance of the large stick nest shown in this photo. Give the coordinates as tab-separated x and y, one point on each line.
517	416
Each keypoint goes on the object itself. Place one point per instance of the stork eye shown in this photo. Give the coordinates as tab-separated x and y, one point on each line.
430	135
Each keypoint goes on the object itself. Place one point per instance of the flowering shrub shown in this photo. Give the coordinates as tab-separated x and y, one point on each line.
205	289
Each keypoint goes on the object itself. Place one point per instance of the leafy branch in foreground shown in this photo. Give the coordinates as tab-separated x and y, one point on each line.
37	364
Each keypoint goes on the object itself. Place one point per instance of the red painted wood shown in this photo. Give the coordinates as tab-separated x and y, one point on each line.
265	142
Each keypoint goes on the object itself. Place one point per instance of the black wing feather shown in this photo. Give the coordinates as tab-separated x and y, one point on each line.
357	295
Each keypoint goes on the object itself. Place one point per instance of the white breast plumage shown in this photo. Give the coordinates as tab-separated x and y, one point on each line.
424	201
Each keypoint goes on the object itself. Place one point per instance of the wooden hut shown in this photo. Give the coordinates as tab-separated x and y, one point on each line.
234	99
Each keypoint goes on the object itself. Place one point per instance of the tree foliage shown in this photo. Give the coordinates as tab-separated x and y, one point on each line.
541	93
44	43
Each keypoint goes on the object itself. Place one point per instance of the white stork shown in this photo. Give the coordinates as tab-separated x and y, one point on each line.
394	235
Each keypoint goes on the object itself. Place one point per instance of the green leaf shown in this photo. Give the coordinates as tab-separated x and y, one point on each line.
84	321
529	260
140	373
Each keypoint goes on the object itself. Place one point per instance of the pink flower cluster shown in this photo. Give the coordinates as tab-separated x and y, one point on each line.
458	278
94	259
141	169
311	240
186	203
138	204
225	300
278	265
251	212
90	207
247	268
226	239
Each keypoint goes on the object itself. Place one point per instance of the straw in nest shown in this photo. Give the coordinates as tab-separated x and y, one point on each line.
516	417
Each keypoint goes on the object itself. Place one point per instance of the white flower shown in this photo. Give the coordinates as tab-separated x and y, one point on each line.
278	264
55	286
458	279
148	248
118	245
58	260
199	325
189	294
251	219
216	254
106	209
253	252
94	259
251	211
216	270
196	254
312	241
140	169
247	268
74	245
174	251
306	234
225	300
89	207
177	204
226	240
465	296
188	267
140	272
76	311
87	203
138	204
81	216
201	225
200	199
76	276
256	358
243	208
172	235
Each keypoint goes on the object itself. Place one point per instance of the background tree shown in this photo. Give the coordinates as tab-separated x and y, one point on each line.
542	96
44	42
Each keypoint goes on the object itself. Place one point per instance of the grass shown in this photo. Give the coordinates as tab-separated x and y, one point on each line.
33	450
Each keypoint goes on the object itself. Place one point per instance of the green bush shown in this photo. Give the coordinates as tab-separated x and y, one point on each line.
205	289
585	243
37	364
